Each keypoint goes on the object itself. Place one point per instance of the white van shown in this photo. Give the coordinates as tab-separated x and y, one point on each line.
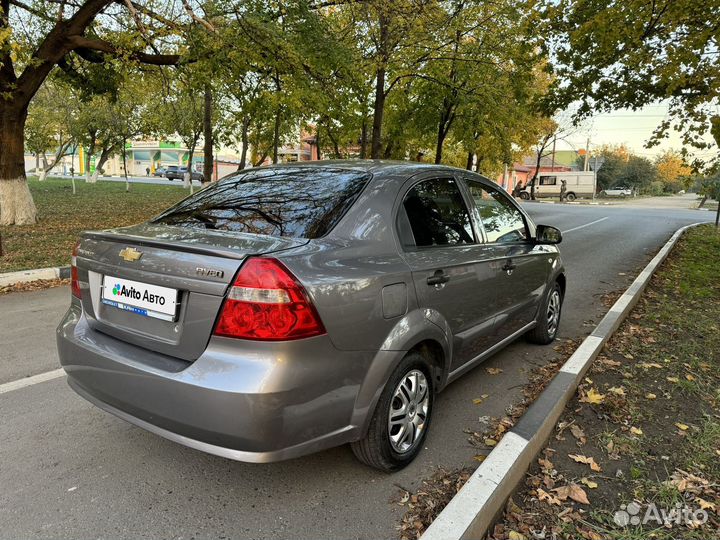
579	184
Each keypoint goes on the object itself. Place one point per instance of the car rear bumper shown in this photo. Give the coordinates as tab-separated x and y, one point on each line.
248	401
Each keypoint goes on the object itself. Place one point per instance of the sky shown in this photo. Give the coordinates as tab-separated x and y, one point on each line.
624	126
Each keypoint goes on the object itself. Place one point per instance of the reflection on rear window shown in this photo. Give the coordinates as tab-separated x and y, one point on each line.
300	202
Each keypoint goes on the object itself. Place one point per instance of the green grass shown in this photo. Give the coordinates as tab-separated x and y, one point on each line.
62	216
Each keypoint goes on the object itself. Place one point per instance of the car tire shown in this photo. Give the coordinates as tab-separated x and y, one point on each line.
548	318
524	195
383	447
571	196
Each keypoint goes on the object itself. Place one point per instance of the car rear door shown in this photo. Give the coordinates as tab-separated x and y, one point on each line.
523	266
448	261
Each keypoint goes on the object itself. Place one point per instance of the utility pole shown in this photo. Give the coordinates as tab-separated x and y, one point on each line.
552	167
587	154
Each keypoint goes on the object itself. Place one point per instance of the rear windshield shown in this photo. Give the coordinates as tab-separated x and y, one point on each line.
299	202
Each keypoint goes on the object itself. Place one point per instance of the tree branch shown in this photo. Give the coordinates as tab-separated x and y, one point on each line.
82	42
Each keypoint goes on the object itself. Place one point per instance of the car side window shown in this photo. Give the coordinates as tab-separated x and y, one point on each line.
502	221
437	214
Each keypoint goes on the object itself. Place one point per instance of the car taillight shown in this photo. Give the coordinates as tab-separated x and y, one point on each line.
74	280
267	303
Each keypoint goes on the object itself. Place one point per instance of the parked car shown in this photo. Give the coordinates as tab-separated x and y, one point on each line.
578	184
289	309
617	191
175	172
160	171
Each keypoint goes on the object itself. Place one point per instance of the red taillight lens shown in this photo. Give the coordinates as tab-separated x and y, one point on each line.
267	303
74	280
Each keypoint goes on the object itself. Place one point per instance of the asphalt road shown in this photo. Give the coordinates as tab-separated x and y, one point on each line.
69	470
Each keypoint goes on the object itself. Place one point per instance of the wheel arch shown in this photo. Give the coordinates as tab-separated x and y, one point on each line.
415	332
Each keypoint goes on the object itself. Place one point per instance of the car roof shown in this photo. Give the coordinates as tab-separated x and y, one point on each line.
374	166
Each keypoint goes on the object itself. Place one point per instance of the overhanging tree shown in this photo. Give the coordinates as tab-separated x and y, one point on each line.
27	58
611	55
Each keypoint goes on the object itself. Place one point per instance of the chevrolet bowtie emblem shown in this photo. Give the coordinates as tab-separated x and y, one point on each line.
130	254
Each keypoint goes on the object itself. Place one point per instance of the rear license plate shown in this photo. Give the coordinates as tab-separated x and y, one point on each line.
141	298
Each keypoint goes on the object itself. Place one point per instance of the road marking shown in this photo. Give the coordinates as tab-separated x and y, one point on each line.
586	225
29	381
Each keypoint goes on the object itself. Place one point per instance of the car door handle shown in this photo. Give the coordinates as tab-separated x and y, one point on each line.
509	267
438	278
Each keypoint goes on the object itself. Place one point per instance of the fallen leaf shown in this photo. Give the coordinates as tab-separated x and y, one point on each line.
578	433
588	380
650	395
573	491
494	370
514	535
593	397
479	457
610	363
490	442
705	505
636	431
545	464
617	390
673	379
648	365
545	496
689	377
681	426
588	483
586	460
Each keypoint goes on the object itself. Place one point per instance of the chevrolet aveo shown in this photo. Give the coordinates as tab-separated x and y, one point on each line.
288	309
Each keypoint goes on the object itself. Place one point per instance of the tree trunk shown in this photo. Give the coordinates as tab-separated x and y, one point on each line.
378	112
276	136
208	164
124	157
245	143
535	175
104	156
88	157
363	138
278	119
469	163
16	203
187	177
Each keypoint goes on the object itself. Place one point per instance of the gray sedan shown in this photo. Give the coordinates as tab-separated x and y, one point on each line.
289	309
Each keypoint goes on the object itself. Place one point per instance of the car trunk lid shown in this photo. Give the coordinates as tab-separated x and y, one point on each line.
128	270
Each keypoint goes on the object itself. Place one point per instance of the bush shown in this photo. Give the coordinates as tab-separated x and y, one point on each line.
656	188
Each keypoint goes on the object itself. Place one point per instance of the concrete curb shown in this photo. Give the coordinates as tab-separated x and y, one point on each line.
24	276
476	506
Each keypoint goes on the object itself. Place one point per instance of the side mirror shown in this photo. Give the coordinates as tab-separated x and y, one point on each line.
546	234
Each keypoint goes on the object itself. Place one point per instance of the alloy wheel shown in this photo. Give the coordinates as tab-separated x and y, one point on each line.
553	312
409	410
